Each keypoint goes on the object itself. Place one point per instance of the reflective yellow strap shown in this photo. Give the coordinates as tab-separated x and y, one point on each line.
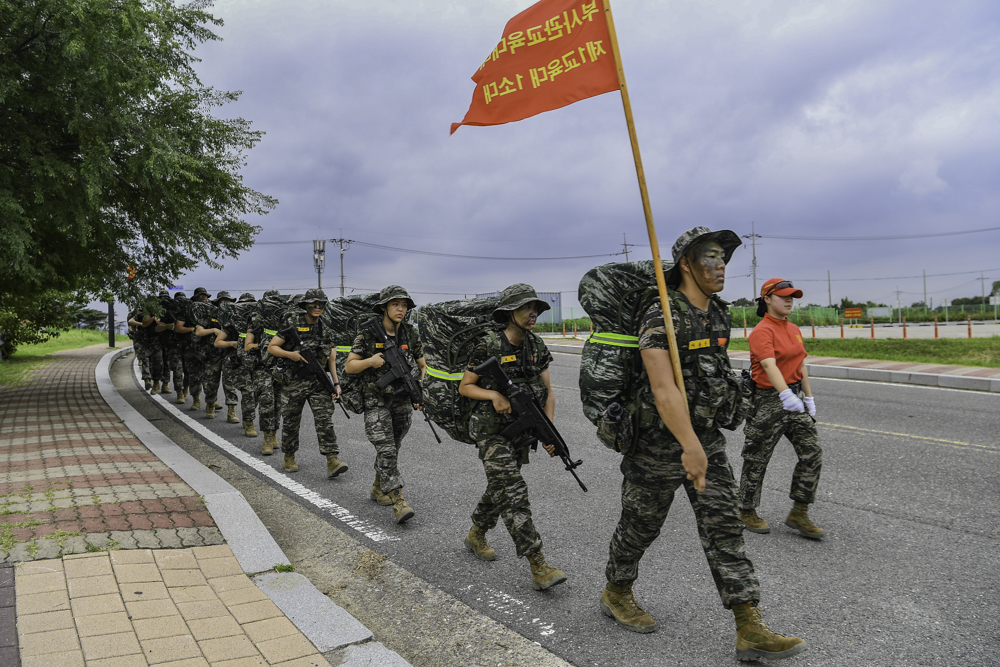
270	333
343	348
441	375
618	340
243	335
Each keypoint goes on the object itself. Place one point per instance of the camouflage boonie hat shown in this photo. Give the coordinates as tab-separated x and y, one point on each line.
726	238
312	294
391	293
245	297
271	294
180	295
221	296
514	297
198	291
164	294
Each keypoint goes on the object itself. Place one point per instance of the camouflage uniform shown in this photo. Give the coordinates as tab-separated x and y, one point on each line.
192	349
297	391
653	471
139	343
211	356
264	324
387	417
506	492
170	347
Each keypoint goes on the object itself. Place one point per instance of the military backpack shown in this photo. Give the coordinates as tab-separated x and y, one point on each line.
344	316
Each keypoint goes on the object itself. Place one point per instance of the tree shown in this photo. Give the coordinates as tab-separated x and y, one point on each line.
110	157
743	302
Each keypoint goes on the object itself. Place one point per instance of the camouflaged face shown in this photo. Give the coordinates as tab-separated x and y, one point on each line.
312	295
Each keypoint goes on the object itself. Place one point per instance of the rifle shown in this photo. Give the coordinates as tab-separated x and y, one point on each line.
312	367
529	415
399	370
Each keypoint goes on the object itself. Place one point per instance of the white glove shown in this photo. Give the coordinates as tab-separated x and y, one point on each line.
810	405
791	402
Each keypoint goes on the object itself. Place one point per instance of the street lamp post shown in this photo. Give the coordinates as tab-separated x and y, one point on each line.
319	260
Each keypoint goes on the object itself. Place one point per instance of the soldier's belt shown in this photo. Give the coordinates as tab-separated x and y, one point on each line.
618	340
441	375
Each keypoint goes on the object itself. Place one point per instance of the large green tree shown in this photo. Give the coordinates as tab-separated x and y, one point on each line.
110	156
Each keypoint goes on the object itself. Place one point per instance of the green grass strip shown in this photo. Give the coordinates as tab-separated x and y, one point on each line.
983	352
14	371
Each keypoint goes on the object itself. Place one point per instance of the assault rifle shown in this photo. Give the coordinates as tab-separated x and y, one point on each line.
398	370
312	367
529	415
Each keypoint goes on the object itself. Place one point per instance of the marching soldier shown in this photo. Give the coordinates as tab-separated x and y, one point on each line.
525	359
387	417
234	370
678	447
263	326
169	346
782	405
140	340
207	329
192	349
182	340
297	390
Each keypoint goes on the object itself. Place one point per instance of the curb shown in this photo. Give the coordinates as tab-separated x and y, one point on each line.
939	380
326	625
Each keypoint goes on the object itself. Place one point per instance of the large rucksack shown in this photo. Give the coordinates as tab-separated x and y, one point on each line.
616	296
449	331
344	315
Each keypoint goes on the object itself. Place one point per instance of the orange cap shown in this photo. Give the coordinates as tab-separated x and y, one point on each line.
781	287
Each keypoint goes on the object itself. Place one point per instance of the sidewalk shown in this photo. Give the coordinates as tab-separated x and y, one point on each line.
118	561
973	378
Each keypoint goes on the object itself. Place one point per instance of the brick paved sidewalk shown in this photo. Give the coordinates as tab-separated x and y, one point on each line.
73	478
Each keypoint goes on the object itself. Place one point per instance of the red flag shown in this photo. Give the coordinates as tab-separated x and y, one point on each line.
552	54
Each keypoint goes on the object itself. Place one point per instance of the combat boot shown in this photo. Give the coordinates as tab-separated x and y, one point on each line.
210	411
181	396
754	523
377	494
165	389
544	575
147	384
402	511
219	406
754	640
270	442
476	541
290	464
619	603
156	389
231	415
197	404
798	519
334	467
249	430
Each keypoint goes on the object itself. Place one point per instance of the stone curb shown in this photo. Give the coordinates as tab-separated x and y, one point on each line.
866	374
326	625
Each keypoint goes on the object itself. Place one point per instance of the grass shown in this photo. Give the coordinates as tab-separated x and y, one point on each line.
33	357
984	352
285	568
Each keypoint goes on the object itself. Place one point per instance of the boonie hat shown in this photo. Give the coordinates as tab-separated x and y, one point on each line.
391	293
271	294
180	295
222	296
164	294
514	297
245	297
726	238
313	294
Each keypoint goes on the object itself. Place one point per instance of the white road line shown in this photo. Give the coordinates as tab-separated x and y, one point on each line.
905	385
374	533
510	606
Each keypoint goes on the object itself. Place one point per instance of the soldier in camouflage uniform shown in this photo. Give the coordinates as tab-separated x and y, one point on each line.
387	417
230	341
674	449
169	346
782	405
297	390
140	338
192	348
525	359
263	326
208	328
182	339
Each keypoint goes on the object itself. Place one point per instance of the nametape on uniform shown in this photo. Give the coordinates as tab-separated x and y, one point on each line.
379	345
705	342
509	358
214	320
303	328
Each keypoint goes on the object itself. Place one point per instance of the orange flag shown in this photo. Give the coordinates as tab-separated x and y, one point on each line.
552	54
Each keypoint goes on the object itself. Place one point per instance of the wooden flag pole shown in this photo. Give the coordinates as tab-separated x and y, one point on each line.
661	283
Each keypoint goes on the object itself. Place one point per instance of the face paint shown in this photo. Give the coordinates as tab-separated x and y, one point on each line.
708	266
525	316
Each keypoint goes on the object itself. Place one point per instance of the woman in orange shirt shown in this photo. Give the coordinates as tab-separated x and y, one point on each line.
782	405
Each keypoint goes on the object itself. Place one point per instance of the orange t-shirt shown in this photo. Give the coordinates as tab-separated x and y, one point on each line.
780	340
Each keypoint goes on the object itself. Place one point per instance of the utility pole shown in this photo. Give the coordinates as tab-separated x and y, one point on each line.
925	288
899	304
829	288
626	245
344	245
753	236
111	322
319	260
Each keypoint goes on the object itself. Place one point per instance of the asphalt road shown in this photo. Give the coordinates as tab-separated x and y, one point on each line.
908	575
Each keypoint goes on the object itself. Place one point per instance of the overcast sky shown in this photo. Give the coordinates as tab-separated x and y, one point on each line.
809	119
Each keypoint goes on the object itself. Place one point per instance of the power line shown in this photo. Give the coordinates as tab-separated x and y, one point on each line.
878	238
929	275
447	254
